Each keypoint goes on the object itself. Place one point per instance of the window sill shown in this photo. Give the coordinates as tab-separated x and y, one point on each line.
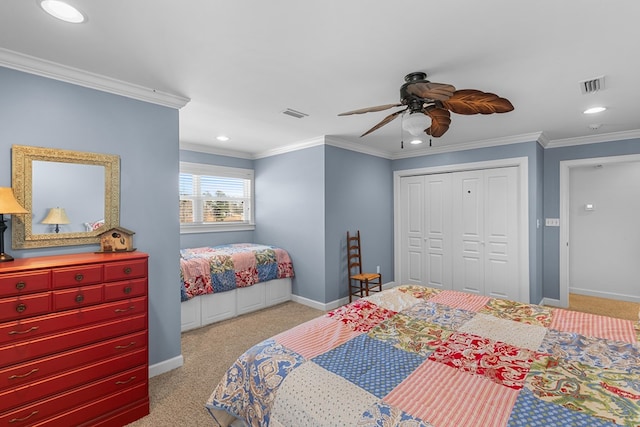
215	228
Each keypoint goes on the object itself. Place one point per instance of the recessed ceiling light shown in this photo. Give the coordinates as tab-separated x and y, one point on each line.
62	11
222	138
416	141
594	110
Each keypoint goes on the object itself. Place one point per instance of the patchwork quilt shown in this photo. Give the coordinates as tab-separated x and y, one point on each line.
222	268
416	356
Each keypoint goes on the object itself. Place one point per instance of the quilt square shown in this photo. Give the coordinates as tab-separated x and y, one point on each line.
255	379
410	334
448	317
419	292
371	364
593	325
462	300
295	403
361	315
383	415
499	362
515	333
609	394
267	271
592	351
316	336
519	312
393	300
223	281
532	412
432	393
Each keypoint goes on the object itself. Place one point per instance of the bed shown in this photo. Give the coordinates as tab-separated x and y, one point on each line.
417	356
220	282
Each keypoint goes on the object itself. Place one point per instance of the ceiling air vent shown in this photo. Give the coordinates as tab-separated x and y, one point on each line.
294	113
592	85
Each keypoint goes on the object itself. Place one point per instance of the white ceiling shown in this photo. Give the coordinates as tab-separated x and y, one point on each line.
241	63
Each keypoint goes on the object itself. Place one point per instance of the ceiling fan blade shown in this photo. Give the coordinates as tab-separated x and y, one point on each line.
429	90
384	121
471	101
440	121
370	109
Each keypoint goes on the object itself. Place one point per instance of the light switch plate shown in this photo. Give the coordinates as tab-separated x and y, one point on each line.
552	222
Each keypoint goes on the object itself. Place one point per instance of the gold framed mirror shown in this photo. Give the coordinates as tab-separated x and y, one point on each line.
84	186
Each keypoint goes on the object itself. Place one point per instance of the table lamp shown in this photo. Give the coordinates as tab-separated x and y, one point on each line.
56	216
8	205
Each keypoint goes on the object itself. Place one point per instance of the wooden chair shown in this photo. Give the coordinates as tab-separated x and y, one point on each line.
360	284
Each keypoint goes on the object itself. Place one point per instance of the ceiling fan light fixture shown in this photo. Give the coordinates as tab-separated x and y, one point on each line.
63	11
416	123
594	110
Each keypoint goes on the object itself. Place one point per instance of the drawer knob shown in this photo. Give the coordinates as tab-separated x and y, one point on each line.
20	286
79	298
79	277
127	290
127	270
21	307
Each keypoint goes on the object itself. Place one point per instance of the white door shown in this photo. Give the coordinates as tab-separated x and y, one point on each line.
412	229
500	233
437	220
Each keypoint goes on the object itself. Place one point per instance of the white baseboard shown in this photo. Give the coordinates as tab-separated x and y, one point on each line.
327	306
165	366
551	302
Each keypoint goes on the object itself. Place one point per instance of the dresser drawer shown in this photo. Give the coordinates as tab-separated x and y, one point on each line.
76	276
74	338
77	298
28	329
125	270
38	369
24	306
128	289
24	283
82	404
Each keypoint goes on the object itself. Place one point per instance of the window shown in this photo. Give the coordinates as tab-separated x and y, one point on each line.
215	198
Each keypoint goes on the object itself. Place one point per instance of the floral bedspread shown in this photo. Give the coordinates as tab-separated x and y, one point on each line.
415	356
221	268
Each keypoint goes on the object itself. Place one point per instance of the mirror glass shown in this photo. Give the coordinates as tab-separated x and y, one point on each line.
85	185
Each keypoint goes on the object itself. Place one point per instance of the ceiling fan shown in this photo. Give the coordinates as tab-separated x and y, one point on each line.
429	105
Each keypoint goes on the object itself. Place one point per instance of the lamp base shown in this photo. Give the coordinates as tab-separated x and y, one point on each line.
5	257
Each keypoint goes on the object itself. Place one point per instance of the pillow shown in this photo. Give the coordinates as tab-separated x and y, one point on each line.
93	226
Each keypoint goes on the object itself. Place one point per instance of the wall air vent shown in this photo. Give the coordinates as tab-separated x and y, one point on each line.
294	113
592	85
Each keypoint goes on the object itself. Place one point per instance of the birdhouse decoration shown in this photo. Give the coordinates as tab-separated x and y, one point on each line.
117	239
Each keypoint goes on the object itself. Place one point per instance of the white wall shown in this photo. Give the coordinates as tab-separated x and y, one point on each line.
604	254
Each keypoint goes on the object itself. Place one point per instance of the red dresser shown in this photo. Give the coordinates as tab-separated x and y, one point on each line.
73	340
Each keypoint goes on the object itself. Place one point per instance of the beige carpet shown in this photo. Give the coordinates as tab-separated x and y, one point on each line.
178	396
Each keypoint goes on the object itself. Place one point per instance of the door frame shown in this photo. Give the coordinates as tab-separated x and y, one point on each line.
522	163
565	193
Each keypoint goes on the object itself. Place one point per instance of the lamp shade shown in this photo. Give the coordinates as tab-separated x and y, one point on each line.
8	202
56	216
416	123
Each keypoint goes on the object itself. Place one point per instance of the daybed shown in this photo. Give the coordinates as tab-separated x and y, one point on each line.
224	281
416	356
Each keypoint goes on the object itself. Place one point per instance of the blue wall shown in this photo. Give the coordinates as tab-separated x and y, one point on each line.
552	159
41	112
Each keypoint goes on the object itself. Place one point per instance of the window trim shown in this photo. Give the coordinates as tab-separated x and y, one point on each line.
227	172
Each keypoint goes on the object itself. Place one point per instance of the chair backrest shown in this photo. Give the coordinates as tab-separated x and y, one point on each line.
354	255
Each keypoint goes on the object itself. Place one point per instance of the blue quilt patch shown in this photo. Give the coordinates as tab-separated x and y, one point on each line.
225	281
530	411
370	364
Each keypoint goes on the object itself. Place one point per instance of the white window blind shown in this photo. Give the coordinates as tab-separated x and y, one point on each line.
215	198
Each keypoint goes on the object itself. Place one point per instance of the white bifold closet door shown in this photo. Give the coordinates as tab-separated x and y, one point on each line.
459	231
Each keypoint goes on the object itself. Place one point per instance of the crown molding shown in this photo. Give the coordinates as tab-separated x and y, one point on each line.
352	146
528	137
320	140
76	76
594	139
201	148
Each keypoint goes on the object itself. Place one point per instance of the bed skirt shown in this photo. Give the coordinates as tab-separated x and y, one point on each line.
210	308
